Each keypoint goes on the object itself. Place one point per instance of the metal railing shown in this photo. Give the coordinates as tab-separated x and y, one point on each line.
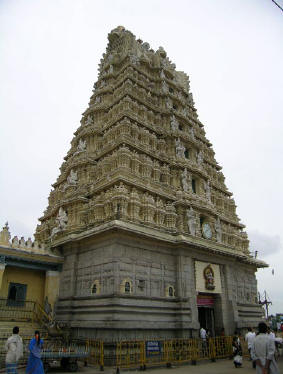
142	353
130	354
23	310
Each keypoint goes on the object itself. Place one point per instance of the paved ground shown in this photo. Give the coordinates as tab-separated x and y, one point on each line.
206	367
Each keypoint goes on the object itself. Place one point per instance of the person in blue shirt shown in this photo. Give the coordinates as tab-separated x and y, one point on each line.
35	365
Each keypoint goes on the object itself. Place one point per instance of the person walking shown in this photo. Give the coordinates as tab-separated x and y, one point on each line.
14	348
237	352
249	338
35	365
203	336
263	349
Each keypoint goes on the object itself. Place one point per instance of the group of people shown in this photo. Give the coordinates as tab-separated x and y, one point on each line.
14	349
261	347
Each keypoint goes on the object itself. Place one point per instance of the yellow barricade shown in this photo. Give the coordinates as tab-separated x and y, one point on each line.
244	345
156	352
96	350
130	354
141	353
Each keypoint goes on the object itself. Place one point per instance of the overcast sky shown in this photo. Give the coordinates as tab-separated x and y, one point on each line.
232	51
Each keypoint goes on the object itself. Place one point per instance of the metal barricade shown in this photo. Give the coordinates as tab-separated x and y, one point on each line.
96	349
182	350
129	354
244	346
156	352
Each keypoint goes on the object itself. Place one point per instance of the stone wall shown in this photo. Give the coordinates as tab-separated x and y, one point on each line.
160	297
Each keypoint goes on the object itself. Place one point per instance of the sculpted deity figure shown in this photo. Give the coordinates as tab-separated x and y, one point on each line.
15	241
174	123
5	234
169	104
200	157
62	219
191	221
207	190
208	274
72	178
97	100
180	149
81	146
164	87
185	180
218	230
162	75
29	243
22	242
134	59
192	133
61	222
89	120
111	69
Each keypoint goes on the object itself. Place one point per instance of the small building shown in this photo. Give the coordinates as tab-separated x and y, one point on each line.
29	274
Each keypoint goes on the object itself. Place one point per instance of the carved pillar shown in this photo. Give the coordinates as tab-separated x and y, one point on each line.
2	269
51	286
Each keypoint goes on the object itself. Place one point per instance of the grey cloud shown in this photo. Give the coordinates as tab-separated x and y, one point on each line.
264	244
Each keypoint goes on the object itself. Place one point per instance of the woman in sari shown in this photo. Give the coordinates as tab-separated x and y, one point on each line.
35	365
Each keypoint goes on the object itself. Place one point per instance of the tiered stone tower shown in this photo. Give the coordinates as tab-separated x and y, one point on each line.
141	212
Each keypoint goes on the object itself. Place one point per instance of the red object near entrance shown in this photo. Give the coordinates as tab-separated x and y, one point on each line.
203	300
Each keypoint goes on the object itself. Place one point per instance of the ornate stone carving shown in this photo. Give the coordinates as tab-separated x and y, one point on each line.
61	222
218	230
180	149
174	123
89	120
133	143
191	221
5	235
207	190
186	180
200	158
81	147
72	179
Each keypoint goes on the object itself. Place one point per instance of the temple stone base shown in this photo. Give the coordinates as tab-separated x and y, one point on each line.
119	284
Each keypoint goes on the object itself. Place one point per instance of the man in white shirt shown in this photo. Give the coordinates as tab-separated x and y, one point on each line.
203	336
263	349
202	333
249	338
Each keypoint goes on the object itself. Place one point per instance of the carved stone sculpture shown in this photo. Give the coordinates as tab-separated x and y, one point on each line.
72	179
218	230
174	123
185	183
89	120
5	235
81	146
191	221
200	158
207	190
61	222
180	149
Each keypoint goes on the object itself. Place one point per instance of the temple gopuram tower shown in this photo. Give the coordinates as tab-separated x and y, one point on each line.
151	241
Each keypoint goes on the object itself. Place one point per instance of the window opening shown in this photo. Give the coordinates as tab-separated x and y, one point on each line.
194	186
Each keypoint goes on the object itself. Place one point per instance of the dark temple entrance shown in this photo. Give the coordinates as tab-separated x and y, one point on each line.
206	319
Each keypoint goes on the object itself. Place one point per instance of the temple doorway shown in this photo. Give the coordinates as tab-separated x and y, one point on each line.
205	304
16	294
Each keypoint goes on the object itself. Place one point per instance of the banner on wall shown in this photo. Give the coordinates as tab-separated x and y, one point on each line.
207	277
